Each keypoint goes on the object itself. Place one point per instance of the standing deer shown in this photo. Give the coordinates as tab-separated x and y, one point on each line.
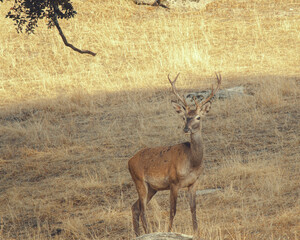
173	167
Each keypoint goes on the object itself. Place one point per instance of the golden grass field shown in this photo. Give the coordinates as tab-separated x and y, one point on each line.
70	122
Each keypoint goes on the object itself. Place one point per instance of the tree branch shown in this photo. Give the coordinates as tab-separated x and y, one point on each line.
66	41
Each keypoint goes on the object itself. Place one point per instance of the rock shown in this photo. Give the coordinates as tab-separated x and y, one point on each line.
164	236
221	94
198	192
207	191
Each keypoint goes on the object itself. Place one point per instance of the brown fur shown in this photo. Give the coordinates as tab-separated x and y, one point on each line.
169	168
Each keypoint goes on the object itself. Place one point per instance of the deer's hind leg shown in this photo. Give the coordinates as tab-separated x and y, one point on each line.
136	211
145	193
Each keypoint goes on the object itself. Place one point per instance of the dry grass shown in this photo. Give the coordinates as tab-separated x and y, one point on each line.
69	122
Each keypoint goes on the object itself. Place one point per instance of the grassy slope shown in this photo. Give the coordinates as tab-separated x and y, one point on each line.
70	122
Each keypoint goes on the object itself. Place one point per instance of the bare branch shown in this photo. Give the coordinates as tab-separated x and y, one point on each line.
65	39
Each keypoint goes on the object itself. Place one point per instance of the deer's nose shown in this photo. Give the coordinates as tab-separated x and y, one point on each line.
186	129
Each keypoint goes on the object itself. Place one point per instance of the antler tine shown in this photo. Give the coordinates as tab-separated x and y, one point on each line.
219	78
213	91
175	90
196	103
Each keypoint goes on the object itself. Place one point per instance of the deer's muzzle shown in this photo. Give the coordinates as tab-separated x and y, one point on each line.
186	129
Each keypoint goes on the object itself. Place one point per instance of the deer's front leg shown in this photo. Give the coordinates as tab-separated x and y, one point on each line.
192	202
173	202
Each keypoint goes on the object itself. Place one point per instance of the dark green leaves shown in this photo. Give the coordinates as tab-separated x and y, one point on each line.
27	13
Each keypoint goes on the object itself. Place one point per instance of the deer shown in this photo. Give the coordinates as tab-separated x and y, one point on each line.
172	167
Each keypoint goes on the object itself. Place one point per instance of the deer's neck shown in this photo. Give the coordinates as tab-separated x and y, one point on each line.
196	149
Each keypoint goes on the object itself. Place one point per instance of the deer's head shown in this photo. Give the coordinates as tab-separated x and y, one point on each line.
192	117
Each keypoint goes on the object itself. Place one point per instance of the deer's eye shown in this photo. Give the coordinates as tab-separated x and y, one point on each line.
198	118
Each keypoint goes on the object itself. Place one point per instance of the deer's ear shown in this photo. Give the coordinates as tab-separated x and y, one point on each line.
178	108
205	109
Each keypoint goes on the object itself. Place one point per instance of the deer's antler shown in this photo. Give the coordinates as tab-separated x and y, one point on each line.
182	99
213	92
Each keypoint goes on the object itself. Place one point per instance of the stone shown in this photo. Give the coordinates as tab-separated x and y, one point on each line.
221	94
164	236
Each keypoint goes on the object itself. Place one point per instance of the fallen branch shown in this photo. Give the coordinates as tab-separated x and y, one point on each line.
156	3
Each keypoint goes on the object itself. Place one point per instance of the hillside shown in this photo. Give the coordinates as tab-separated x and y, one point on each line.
70	122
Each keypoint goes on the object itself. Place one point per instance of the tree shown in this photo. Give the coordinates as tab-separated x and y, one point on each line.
27	13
